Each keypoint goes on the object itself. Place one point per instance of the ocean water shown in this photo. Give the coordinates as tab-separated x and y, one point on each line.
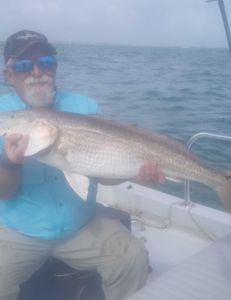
175	91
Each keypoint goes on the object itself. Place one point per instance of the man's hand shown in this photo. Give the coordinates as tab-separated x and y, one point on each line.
149	173
15	147
10	164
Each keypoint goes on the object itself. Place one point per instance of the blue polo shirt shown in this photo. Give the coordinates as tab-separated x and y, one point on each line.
46	207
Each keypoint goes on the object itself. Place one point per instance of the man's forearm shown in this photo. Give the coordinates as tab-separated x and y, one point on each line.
11	160
10	181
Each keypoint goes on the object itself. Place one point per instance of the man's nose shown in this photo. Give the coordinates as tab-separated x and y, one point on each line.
36	71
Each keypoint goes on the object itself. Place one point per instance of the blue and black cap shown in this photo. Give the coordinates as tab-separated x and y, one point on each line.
22	40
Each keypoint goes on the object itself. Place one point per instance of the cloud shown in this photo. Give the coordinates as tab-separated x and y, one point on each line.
138	22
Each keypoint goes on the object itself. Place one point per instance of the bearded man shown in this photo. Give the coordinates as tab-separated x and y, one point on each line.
40	215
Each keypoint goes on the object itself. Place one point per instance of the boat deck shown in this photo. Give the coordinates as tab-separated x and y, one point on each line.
189	247
204	276
168	247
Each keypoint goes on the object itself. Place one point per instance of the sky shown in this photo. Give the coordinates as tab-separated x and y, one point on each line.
167	23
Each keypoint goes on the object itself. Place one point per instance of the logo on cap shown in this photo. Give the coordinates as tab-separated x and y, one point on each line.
27	36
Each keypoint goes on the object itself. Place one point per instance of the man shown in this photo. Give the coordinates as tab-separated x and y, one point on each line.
40	215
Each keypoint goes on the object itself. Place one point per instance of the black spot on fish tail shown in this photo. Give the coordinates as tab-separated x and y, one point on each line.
224	191
227	177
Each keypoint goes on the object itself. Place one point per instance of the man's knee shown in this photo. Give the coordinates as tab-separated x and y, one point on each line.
140	267
136	258
129	257
8	288
127	272
8	292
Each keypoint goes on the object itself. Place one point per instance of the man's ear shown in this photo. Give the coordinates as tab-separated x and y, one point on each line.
8	76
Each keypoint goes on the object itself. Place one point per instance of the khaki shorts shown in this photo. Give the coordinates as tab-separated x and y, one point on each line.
104	244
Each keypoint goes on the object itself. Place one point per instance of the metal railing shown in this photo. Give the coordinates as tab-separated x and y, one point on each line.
194	138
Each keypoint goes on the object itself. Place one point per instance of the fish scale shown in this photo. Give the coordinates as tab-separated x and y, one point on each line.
93	146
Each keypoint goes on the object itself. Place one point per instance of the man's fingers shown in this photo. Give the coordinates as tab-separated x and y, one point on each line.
15	147
142	173
23	143
161	177
13	138
150	172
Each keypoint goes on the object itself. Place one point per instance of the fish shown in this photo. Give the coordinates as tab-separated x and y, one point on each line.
84	146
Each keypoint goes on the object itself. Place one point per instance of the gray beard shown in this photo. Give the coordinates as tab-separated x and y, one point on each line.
44	97
39	92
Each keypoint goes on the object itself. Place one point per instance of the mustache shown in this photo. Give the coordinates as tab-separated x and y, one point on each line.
43	79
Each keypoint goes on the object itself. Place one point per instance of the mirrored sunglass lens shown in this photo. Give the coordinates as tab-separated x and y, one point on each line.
46	62
26	65
23	66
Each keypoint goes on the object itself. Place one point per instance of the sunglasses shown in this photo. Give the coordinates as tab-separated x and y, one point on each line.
45	63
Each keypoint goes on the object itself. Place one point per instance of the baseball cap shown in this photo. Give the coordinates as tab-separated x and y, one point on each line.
18	43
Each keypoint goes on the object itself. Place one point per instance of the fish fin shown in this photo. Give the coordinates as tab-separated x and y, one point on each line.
43	137
79	184
177	180
224	191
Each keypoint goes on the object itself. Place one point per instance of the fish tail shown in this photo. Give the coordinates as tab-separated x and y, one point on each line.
224	192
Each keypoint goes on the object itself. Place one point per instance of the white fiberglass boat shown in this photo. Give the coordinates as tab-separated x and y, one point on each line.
189	244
